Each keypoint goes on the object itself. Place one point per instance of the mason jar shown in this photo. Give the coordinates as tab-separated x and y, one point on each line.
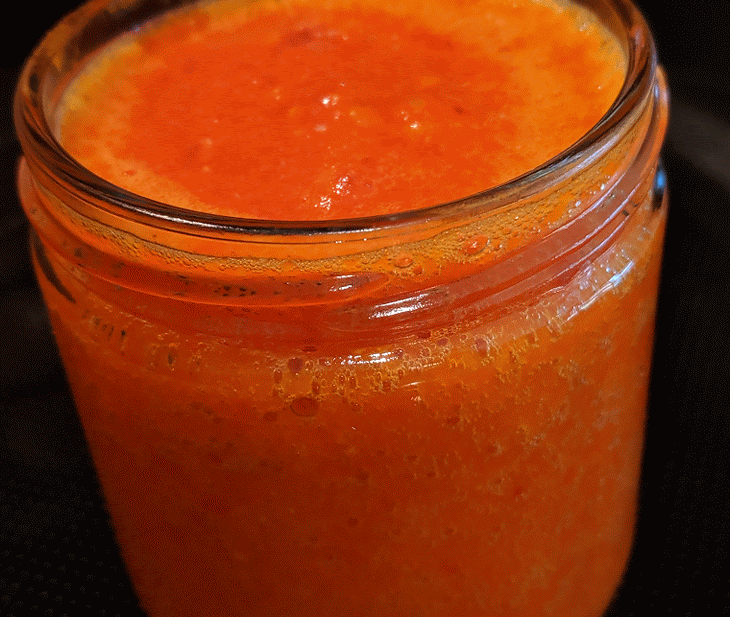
435	412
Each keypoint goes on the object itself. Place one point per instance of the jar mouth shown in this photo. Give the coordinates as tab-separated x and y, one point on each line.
39	88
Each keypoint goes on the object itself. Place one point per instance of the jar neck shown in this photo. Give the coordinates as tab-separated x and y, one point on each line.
476	254
400	278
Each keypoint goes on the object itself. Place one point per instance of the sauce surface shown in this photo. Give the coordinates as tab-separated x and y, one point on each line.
316	109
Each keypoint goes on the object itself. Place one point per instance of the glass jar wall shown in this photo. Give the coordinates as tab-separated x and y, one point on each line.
437	412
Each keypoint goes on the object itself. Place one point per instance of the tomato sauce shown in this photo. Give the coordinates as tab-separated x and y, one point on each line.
446	421
302	112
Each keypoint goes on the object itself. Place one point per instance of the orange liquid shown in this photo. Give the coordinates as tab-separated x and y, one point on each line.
476	465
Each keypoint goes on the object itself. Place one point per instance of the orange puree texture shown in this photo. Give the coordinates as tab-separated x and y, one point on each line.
441	427
319	109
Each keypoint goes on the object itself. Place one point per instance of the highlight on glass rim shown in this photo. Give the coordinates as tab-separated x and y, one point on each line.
356	298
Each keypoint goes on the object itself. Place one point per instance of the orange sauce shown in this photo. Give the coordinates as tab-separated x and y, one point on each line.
480	467
327	110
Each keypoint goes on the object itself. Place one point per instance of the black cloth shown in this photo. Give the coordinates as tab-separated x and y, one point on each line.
57	551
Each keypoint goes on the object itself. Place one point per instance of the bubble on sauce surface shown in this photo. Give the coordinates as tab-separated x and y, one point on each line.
403	260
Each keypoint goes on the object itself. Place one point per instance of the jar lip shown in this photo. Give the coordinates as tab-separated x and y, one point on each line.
42	148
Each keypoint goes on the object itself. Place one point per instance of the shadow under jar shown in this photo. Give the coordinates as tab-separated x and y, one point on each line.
436	412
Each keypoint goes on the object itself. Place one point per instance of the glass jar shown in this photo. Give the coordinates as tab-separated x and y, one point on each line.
438	412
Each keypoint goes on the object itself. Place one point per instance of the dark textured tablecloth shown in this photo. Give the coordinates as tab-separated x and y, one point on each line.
57	552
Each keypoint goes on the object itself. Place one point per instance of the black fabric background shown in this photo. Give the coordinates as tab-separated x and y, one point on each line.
57	552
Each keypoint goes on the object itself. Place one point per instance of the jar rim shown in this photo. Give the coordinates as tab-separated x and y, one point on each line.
43	150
